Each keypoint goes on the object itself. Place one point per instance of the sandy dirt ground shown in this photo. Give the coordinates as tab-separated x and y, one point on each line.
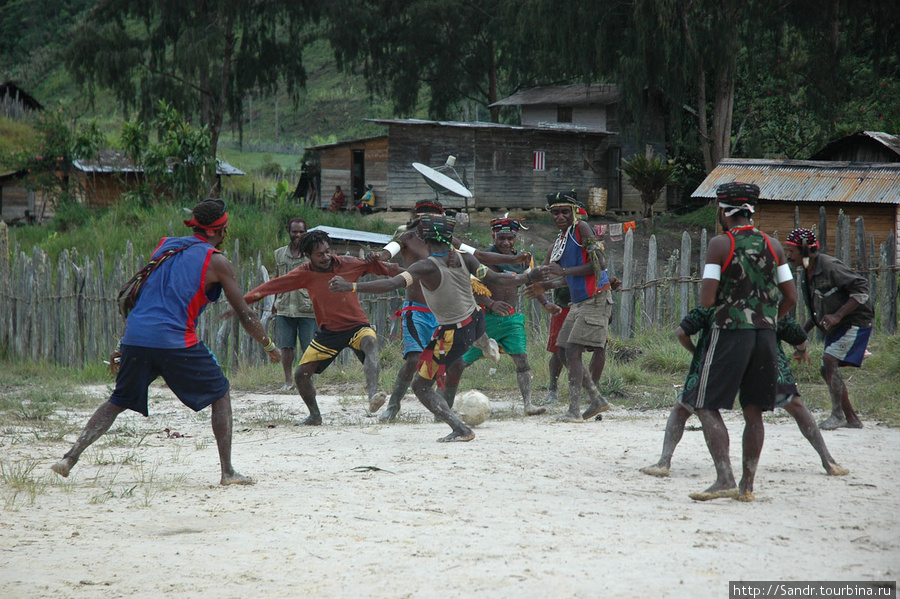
359	509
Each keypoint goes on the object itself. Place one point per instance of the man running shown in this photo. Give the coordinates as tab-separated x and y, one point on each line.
502	323
342	321
416	320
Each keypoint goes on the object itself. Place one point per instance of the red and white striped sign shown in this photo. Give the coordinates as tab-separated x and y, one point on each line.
538	160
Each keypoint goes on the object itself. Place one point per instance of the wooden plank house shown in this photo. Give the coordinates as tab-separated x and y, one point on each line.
505	166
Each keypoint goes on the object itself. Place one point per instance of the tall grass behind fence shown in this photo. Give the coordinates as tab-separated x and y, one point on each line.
66	312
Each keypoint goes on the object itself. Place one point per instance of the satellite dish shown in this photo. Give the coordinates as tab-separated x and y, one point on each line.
441	183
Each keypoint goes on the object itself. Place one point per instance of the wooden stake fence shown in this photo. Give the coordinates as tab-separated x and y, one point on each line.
65	313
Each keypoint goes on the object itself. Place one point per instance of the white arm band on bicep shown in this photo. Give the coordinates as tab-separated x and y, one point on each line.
392	248
712	271
466	248
784	273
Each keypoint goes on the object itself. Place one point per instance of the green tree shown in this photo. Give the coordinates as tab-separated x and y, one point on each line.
448	48
180	162
47	158
202	57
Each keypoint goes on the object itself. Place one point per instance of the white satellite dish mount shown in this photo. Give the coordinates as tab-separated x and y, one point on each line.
443	184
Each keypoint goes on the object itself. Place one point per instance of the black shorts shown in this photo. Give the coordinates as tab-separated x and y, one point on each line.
193	374
328	344
742	360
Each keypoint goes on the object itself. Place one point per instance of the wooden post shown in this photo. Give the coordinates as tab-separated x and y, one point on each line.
626	314
650	307
845	234
823	231
891	282
684	274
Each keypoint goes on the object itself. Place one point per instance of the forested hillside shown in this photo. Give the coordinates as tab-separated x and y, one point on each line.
762	78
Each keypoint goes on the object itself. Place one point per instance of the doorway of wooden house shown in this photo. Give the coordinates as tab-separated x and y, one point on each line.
358	174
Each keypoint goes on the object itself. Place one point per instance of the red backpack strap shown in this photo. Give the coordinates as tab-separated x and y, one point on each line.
771	249
730	252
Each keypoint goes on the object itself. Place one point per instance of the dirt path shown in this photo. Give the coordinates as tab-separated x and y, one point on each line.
529	509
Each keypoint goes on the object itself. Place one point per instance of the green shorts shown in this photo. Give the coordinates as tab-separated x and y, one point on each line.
507	331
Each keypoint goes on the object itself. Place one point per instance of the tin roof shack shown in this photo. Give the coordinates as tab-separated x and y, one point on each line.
352	164
18	204
111	173
869	190
862	146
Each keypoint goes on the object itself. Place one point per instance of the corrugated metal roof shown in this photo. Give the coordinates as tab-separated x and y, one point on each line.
553	127
354	235
113	161
345	142
565	95
809	181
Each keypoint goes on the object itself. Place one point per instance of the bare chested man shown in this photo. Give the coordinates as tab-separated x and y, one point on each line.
501	320
417	321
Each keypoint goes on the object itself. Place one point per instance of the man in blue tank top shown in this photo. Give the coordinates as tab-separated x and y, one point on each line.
161	339
576	260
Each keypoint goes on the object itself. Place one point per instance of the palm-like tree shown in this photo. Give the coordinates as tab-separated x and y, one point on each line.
649	175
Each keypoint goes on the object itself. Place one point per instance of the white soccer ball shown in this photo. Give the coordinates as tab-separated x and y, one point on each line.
473	407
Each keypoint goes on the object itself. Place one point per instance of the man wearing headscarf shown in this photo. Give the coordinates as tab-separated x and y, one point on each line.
416	320
749	284
840	305
444	276
577	257
161	338
502	322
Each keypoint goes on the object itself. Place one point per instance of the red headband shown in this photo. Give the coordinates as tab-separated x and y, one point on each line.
217	224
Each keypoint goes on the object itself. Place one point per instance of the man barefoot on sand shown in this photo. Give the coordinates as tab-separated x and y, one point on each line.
444	277
416	320
744	275
342	321
160	338
699	321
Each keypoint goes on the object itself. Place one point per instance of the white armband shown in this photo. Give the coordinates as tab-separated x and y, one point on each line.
712	271
466	248
407	277
392	248
784	273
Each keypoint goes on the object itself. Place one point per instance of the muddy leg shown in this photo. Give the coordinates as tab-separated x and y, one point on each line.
404	378
423	388
674	430
523	378
303	380
754	436
371	368
98	424
807	425
716	435
556	366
